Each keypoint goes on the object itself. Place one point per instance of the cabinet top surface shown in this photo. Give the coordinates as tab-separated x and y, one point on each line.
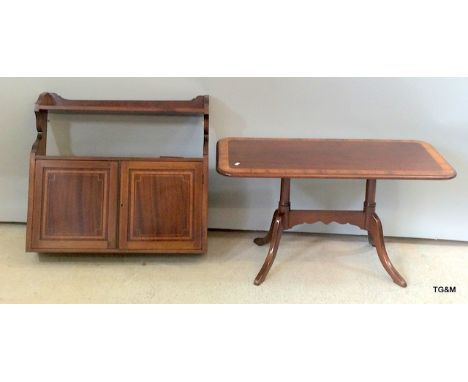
330	158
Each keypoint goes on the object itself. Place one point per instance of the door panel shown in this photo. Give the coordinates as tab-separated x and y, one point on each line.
75	204
161	205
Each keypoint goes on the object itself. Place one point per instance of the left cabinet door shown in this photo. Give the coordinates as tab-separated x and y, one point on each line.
74	205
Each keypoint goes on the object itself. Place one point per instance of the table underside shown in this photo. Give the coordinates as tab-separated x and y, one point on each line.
284	218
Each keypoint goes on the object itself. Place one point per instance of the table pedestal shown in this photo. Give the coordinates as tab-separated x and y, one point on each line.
285	218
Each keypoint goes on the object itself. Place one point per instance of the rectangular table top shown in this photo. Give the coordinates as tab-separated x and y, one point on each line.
330	158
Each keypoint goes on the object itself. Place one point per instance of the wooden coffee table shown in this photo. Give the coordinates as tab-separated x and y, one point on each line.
329	159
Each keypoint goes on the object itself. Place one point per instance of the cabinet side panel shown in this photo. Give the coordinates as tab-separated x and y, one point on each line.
29	221
204	206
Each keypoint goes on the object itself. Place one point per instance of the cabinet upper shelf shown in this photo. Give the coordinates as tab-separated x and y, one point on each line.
53	103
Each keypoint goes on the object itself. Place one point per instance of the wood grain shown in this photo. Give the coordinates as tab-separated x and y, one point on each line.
330	158
54	103
160	206
75	205
285	218
73	202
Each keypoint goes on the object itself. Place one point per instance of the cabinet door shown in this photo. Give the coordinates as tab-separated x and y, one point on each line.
161	206
75	205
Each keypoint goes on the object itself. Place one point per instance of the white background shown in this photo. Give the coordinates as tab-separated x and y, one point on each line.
430	109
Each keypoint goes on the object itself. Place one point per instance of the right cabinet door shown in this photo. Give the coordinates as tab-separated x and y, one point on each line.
161	206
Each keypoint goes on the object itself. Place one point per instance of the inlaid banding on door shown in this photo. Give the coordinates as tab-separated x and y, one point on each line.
75	204
161	205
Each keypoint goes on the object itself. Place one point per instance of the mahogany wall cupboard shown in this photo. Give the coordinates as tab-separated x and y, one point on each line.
117	204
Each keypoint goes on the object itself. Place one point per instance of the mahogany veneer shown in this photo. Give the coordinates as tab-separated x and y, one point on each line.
117	204
332	159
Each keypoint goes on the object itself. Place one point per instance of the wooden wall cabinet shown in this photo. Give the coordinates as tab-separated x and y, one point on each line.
117	204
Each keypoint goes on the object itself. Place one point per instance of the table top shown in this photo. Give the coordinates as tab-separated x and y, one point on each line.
330	158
